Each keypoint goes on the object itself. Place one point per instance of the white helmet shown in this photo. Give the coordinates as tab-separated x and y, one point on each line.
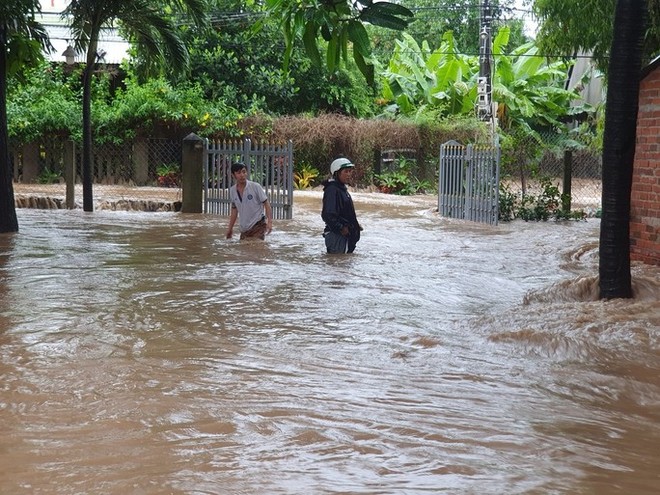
340	163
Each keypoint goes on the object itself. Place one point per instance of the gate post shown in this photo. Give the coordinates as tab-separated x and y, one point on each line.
192	164
70	173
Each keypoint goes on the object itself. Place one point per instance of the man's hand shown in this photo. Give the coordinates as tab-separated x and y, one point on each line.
230	232
344	231
269	226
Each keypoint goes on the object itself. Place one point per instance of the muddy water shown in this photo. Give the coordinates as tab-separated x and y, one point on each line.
142	353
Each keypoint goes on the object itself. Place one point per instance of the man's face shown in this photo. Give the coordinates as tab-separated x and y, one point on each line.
345	175
240	176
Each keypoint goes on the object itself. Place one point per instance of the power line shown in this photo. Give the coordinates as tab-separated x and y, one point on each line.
410	51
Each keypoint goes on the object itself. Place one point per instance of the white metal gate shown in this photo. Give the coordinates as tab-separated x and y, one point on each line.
468	182
268	164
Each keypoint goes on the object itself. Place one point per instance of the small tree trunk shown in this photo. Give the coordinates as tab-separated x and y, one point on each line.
8	219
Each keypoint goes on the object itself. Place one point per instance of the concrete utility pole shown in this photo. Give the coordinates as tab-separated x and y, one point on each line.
484	87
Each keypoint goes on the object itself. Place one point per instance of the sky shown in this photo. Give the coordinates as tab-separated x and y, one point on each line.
113	47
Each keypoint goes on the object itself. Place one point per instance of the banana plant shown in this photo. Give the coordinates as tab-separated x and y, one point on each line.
528	89
417	78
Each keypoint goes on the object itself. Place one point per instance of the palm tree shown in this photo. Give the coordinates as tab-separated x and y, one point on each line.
21	42
619	148
147	23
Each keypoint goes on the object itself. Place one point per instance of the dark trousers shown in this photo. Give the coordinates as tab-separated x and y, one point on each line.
338	244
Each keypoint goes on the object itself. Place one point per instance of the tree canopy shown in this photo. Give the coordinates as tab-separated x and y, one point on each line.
434	18
245	70
564	31
340	25
21	42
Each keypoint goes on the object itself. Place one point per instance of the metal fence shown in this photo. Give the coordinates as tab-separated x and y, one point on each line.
468	182
575	170
143	169
270	165
148	169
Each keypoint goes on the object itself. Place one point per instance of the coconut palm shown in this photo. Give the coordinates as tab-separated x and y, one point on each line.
148	23
21	43
619	148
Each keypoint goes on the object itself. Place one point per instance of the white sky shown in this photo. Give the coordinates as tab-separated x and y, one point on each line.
530	22
110	43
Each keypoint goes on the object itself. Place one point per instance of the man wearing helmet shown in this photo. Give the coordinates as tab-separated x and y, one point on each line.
342	230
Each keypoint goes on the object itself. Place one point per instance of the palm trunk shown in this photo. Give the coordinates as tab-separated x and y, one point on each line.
619	148
87	144
8	219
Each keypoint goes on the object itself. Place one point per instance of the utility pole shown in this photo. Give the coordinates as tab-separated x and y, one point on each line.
484	85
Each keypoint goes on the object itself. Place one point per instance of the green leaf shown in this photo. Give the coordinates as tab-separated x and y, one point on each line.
332	54
391	9
384	20
358	35
343	43
325	32
366	69
309	40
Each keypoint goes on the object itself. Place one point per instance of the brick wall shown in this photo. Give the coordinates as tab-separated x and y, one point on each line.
645	195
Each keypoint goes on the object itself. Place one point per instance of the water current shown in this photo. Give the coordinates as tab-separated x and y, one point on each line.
144	353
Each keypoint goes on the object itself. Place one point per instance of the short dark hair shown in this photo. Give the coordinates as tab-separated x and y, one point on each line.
237	166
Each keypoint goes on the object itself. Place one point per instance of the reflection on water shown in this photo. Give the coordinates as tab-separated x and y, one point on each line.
144	353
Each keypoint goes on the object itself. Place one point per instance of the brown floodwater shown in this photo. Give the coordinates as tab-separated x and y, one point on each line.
143	353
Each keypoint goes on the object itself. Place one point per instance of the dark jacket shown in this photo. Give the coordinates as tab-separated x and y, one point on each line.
338	210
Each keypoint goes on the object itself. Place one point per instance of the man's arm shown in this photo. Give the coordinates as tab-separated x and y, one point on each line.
232	220
269	216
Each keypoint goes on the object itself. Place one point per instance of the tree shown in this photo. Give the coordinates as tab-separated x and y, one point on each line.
563	30
244	69
434	18
338	23
21	41
147	23
619	148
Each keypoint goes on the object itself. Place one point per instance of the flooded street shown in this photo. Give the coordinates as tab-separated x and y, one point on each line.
143	353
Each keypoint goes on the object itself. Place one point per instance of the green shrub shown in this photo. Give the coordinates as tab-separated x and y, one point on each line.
304	176
401	180
528	207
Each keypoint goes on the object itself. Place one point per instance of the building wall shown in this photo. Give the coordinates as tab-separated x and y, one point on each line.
645	194
112	47
53	5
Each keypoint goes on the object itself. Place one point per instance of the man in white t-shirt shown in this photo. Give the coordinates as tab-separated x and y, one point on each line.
249	203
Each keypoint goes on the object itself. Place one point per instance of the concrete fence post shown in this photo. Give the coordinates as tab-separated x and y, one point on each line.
568	178
141	161
30	163
192	164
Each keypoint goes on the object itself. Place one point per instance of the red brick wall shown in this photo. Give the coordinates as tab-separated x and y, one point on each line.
645	195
